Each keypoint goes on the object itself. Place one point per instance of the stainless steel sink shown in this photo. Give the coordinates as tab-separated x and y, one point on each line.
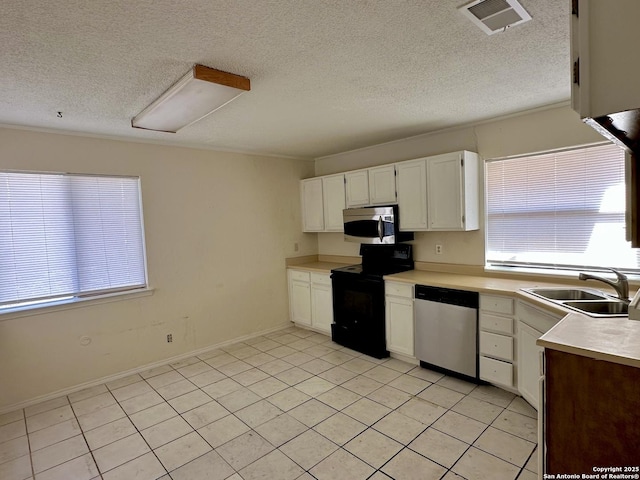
568	294
584	300
604	308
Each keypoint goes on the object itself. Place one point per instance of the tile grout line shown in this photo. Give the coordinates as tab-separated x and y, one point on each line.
405	445
33	471
166	472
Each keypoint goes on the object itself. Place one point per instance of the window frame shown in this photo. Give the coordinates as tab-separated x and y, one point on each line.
52	303
554	270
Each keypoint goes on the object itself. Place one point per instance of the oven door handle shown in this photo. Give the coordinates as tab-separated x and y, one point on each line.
380	228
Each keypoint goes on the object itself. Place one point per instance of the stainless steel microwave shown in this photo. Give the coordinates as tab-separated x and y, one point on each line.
373	225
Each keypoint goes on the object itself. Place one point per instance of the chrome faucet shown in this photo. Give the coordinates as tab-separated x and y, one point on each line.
621	284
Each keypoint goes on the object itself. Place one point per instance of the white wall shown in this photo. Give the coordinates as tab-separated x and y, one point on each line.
530	132
218	229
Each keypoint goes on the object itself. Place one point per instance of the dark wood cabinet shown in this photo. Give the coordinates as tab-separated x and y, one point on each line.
592	414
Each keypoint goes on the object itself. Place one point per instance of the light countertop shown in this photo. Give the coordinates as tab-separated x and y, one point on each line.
613	339
320	267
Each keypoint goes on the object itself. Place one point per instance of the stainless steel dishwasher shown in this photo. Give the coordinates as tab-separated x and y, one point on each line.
446	331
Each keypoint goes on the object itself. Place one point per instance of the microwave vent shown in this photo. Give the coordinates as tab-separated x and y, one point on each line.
494	16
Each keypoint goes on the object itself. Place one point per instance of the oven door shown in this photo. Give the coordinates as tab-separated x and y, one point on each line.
358	314
372	225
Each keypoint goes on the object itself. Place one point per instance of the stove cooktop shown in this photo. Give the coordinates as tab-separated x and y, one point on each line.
379	260
371	271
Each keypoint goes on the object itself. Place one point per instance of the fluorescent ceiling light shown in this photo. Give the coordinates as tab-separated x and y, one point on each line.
200	92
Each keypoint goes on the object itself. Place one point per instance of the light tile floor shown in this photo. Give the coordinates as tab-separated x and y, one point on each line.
288	405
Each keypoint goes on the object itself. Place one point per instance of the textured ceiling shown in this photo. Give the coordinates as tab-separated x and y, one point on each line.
327	76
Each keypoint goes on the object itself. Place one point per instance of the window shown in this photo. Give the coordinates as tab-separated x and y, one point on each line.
561	210
67	236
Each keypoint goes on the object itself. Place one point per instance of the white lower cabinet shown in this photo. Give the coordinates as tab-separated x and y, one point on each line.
529	360
310	300
321	302
399	318
496	340
532	324
300	297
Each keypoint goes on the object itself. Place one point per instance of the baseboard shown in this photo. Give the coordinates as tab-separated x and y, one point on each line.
116	376
405	358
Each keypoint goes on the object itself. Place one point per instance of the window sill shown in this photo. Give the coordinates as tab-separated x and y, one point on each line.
56	306
550	274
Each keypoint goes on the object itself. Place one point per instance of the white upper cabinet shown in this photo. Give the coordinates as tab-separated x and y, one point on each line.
312	205
411	178
437	193
382	185
334	202
452	191
604	52
357	188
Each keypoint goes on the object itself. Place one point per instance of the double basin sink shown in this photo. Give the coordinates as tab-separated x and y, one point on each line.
584	300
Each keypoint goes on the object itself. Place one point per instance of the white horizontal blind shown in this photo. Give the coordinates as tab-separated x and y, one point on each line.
562	209
69	235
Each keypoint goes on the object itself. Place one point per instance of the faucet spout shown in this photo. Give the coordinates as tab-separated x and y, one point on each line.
620	284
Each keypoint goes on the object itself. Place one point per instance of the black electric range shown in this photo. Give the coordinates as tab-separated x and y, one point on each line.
358	297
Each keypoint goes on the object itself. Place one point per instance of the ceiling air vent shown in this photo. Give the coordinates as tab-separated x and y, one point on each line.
493	16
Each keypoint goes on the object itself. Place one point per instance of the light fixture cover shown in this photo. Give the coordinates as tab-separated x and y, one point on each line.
200	92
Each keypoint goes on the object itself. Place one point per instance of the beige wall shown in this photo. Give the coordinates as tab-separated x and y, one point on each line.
218	229
531	132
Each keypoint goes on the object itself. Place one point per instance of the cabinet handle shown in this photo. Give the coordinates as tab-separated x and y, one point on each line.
576	72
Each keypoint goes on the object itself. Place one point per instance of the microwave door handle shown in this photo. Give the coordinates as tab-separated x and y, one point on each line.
380	228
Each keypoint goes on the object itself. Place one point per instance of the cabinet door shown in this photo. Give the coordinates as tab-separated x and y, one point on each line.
382	185
334	202
411	179
605	82
399	325
445	193
312	207
301	302
592	414
357	188
321	307
528	363
299	296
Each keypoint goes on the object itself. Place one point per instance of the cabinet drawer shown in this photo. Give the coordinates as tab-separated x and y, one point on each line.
497	346
321	278
493	303
495	371
298	275
399	289
496	323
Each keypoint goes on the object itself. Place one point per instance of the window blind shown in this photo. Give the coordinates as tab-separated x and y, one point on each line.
67	235
561	210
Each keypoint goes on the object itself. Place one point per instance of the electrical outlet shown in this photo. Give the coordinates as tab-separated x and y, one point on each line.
438	249
169	338
296	247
